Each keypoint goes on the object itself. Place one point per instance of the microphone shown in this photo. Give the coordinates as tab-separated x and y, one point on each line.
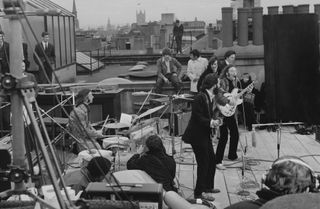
254	140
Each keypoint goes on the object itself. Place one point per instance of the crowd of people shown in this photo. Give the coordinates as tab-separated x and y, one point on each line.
212	83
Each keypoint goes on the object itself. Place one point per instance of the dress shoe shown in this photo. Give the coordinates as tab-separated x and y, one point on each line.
205	196
233	159
212	190
220	166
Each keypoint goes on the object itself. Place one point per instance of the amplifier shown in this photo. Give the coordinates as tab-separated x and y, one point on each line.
148	195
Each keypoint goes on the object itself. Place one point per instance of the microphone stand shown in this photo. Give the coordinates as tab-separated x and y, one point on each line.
172	125
278	139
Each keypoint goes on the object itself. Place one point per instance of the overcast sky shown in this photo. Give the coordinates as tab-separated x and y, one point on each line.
96	12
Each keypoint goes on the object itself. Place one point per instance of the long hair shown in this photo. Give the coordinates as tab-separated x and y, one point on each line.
209	81
82	96
289	175
225	70
155	145
99	166
212	60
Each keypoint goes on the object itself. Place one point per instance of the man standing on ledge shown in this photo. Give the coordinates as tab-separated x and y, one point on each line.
44	56
177	34
168	71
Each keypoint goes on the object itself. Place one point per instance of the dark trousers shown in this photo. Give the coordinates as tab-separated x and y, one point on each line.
206	167
229	123
173	78
179	43
41	74
248	116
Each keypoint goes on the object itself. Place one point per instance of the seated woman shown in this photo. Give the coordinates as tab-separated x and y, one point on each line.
154	160
79	179
79	124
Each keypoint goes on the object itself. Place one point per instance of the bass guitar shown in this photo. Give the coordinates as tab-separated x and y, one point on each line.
228	110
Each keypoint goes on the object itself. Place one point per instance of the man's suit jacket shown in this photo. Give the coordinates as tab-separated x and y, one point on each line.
5	58
175	67
50	52
221	65
198	129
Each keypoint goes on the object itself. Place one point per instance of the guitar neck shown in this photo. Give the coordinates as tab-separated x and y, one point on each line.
245	90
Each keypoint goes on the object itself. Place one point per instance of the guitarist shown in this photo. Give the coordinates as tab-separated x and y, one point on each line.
228	81
198	133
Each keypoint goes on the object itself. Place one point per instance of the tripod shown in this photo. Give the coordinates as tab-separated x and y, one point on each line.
28	97
22	93
172	125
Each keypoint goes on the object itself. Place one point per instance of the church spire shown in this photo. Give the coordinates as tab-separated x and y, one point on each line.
74	11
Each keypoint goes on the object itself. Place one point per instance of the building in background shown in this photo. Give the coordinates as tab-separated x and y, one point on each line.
141	17
167	18
75	13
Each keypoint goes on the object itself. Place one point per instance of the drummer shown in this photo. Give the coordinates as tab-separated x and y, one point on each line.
79	124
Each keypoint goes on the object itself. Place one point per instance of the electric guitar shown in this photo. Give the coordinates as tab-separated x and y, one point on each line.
228	110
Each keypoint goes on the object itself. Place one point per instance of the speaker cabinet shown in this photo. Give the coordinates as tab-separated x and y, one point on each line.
148	195
291	50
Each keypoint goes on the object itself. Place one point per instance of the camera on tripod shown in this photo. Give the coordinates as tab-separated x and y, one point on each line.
8	83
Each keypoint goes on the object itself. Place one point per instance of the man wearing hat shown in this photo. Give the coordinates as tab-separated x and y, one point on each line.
79	124
168	71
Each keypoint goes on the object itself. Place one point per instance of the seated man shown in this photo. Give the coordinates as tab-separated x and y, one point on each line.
79	179
168	71
154	160
288	175
79	124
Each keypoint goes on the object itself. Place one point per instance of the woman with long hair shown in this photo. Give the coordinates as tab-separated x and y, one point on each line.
211	68
153	159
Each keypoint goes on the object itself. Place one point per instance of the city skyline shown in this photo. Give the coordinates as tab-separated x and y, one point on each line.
95	13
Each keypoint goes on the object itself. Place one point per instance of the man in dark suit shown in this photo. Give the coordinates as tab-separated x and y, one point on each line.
4	54
44	56
204	117
177	34
229	59
168	71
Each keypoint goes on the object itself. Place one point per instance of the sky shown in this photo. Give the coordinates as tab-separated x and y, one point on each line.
92	13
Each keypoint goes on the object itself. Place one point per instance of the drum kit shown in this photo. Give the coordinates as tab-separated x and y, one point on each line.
127	137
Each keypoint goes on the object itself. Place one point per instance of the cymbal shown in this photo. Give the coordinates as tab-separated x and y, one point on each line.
116	125
150	111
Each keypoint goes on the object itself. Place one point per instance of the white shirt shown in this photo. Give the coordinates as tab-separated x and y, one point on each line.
194	70
45	45
211	95
167	64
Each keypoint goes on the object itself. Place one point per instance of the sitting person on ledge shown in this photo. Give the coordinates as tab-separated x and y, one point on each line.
168	71
79	124
154	160
79	179
288	175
